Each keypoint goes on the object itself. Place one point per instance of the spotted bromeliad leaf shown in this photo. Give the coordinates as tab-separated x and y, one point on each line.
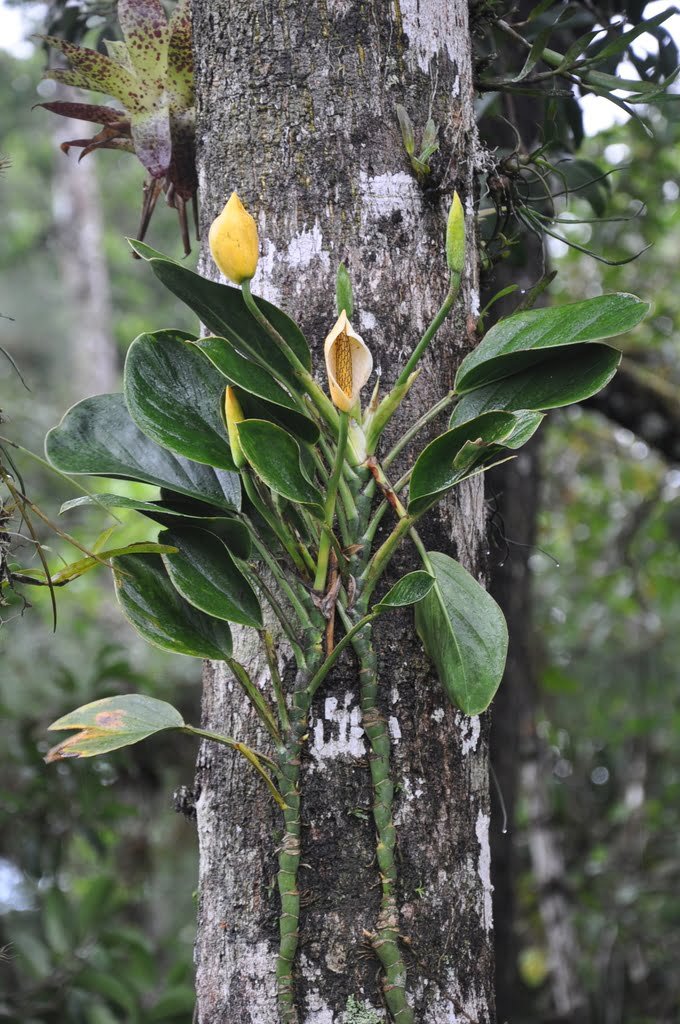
151	75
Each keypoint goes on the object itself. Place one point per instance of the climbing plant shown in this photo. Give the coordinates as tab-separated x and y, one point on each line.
272	490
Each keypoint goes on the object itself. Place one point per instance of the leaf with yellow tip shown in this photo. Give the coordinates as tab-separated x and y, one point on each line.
111	723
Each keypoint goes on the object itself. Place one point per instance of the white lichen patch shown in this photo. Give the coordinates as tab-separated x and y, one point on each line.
438	715
339	732
469	729
484	870
383	194
432	28
395	731
305	247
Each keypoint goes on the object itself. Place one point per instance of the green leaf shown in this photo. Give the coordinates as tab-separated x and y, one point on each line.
99	437
206	575
275	457
161	615
111	723
172	512
528	338
175	395
408	590
111	988
465	635
223	311
258	382
439	468
568	376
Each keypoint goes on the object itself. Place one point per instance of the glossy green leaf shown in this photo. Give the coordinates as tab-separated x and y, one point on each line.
566	377
275	457
440	466
99	437
410	589
175	395
171	512
258	382
222	309
527	338
161	615
204	573
111	723
464	633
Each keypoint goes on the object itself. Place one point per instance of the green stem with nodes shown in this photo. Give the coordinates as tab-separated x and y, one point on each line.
329	505
348	638
445	309
290	849
385	939
380	560
320	400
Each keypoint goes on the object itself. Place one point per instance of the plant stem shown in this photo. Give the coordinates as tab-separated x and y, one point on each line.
440	317
385	938
256	698
281	533
426	418
290	849
322	403
277	685
378	563
329	506
257	760
347	639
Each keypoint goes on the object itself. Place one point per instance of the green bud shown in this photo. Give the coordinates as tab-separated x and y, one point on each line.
343	292
455	237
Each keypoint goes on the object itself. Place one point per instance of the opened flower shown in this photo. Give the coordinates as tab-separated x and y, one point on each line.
233	241
348	363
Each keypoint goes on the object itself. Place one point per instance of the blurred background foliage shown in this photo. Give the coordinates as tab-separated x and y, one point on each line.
97	872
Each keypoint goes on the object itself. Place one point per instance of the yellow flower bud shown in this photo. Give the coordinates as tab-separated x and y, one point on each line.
233	241
455	237
233	414
348	363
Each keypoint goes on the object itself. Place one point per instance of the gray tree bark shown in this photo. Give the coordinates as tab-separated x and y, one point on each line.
79	240
296	110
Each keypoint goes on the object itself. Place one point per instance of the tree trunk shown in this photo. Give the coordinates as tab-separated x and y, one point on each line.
82	260
296	105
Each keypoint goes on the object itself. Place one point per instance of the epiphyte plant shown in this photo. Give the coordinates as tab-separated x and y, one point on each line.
150	73
271	496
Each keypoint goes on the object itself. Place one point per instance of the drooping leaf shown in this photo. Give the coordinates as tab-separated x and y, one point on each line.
99	437
410	589
439	466
113	722
464	633
161	615
258	382
174	395
275	457
204	573
76	569
530	337
571	375
173	512
223	311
